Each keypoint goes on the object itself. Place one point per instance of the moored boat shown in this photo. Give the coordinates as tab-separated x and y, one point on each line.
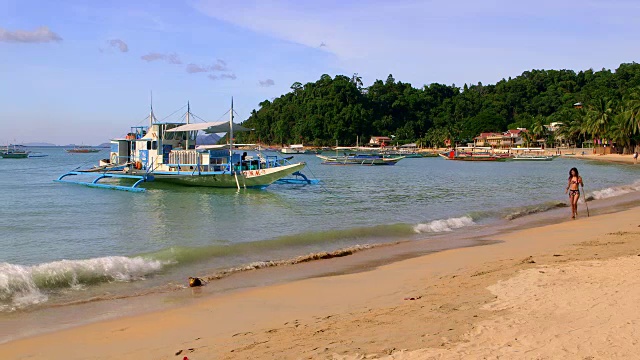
82	149
168	152
471	153
530	154
14	153
360	159
298	149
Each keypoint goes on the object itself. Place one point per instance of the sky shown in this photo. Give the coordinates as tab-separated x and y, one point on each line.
83	71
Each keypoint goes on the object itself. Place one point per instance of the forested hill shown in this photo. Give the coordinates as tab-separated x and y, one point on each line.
340	109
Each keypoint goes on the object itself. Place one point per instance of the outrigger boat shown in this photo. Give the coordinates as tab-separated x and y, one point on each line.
298	149
359	159
83	150
14	153
530	154
472	153
168	152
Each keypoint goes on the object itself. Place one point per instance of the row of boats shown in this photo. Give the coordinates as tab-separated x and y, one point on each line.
460	154
20	152
169	152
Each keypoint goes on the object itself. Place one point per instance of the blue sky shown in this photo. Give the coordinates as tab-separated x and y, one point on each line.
82	71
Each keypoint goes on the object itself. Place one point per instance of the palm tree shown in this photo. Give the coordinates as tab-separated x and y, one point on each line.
632	106
620	130
538	130
357	80
526	137
599	118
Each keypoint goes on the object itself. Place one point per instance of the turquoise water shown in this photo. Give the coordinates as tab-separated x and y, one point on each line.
62	241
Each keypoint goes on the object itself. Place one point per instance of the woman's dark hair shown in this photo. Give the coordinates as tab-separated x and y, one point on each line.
573	169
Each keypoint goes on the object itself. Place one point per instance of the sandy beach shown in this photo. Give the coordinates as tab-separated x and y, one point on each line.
616	158
557	291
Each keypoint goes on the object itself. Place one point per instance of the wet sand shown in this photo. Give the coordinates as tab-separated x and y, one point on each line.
461	303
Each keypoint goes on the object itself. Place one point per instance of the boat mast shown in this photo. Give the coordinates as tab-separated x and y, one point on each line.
231	129
151	116
188	133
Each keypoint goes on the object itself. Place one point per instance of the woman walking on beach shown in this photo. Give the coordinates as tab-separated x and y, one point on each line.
573	188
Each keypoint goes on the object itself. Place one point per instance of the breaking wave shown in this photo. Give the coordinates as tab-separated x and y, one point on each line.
515	213
450	224
22	286
614	191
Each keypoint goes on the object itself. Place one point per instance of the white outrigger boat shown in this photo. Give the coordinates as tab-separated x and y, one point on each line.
359	156
168	152
530	154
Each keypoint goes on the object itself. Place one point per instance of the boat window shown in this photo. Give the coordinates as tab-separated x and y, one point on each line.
154	145
148	145
169	135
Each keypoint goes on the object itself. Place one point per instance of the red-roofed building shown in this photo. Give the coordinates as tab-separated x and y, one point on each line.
497	140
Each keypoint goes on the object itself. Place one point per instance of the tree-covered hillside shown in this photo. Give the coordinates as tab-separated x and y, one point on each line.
340	109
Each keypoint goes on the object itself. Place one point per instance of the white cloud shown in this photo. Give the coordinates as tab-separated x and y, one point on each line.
219	65
266	83
121	45
229	76
169	58
39	35
193	69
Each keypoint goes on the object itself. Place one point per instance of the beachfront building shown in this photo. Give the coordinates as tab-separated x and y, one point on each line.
379	141
498	140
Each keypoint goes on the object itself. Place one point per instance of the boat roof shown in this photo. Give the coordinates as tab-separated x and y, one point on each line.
528	149
209	127
218	147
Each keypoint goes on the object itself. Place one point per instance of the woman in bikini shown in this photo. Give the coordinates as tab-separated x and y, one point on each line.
573	188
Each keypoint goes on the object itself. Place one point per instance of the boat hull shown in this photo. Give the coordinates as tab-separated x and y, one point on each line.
531	158
348	160
83	151
14	155
473	158
245	179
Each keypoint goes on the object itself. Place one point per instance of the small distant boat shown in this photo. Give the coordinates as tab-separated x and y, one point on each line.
429	154
298	150
472	153
360	159
37	155
14	153
83	150
530	154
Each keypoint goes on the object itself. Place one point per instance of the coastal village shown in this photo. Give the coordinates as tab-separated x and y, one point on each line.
342	180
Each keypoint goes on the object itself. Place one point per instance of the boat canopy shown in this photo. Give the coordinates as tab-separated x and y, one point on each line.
221	146
527	149
209	127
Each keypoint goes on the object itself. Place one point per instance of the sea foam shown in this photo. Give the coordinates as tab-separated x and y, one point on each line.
21	286
614	191
444	225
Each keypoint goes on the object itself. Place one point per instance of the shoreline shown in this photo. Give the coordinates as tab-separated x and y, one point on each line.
612	158
61	316
373	288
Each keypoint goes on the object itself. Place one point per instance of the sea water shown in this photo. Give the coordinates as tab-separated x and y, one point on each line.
62	243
